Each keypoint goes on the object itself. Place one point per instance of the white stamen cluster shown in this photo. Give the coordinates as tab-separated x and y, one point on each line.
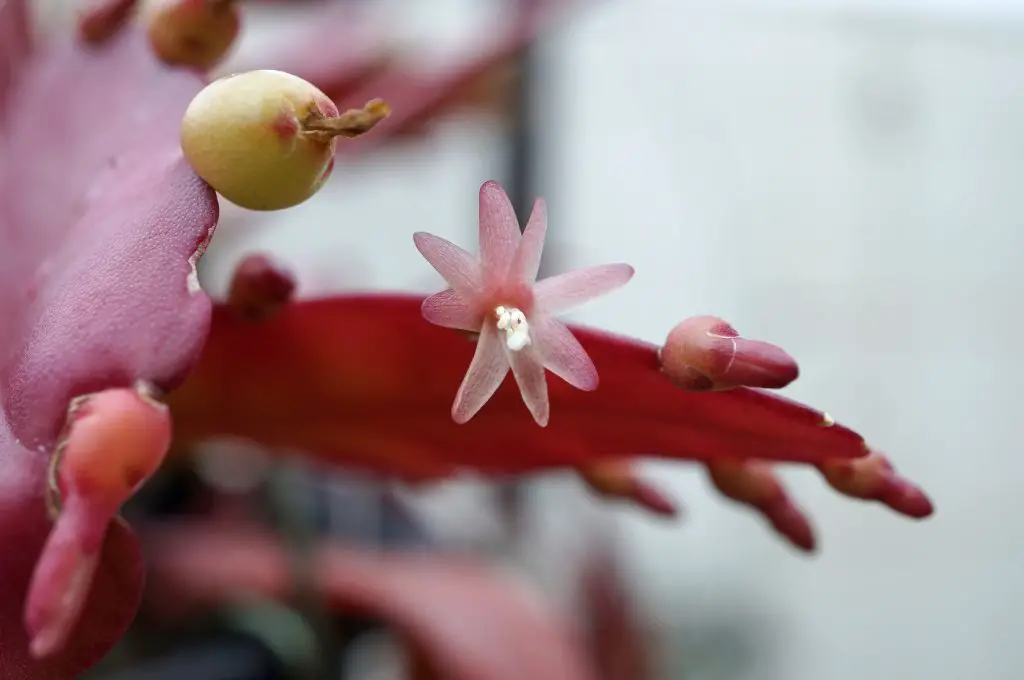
513	322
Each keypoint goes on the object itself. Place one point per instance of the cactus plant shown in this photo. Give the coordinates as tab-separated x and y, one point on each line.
103	322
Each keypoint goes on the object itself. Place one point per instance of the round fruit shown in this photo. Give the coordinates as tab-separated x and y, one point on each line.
195	33
252	137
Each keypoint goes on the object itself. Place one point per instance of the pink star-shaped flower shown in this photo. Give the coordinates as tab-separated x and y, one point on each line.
499	297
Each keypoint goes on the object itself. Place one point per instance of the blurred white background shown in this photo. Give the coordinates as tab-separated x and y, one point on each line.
839	177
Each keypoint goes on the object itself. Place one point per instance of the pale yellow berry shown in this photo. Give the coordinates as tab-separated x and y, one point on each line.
253	138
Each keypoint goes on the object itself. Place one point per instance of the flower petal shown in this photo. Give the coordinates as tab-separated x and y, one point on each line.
460	270
499	230
558	293
563	355
448	309
526	263
529	372
488	368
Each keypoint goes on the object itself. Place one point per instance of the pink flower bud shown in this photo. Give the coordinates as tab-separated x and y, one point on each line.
259	288
706	353
115	440
874	478
754	484
619	479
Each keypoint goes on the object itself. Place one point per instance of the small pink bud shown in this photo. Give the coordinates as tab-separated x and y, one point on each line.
114	441
706	353
874	478
618	479
259	288
754	484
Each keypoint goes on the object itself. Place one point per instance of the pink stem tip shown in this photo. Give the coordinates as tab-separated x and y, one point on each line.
113	441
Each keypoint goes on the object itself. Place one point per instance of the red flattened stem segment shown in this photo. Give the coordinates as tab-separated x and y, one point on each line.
370	370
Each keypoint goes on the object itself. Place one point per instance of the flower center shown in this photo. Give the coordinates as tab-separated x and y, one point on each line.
513	322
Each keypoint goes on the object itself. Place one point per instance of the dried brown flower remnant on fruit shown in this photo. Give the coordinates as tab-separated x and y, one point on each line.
265	140
706	353
259	288
192	33
352	123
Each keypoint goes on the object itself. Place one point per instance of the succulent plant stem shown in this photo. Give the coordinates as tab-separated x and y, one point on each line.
351	123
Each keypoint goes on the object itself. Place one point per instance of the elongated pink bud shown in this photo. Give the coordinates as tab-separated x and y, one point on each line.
618	479
874	478
101	19
706	353
259	288
114	441
753	483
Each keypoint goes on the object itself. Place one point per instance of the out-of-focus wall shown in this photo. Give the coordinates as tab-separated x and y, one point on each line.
846	185
839	178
